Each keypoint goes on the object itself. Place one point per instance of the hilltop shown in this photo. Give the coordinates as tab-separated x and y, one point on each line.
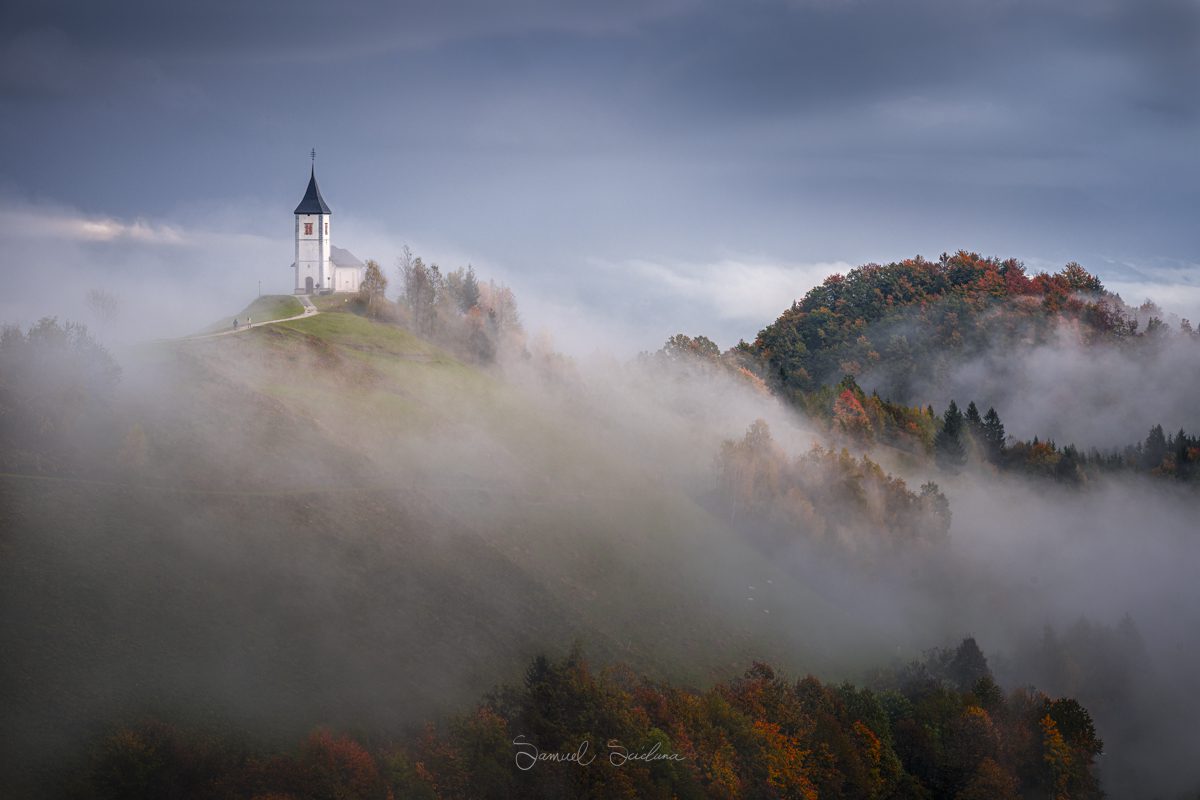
898	327
333	521
872	354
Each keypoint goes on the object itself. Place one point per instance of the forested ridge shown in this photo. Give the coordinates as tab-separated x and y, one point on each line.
939	728
909	318
898	328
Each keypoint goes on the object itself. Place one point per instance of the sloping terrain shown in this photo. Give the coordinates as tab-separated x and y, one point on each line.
331	521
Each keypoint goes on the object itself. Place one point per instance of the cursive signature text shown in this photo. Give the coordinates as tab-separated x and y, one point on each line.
529	754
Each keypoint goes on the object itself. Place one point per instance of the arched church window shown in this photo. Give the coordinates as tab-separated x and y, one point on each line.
308	229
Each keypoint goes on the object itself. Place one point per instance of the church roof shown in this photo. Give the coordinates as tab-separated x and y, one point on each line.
312	203
343	258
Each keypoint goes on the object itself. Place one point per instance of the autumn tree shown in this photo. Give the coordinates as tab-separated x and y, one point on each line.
990	782
374	286
850	417
758	736
501	306
422	287
1057	757
461	289
681	347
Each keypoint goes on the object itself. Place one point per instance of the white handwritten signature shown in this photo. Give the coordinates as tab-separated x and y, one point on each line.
529	754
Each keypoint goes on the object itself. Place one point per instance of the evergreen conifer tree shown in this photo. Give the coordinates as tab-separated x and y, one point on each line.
993	435
948	447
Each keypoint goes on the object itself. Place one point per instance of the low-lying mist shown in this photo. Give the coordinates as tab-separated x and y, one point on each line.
333	522
1091	396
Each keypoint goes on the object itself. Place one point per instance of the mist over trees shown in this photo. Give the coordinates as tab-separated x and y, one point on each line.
373	292
937	728
403	500
56	387
918	332
904	324
476	321
827	496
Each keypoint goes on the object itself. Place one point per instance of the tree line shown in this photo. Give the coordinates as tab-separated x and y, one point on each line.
476	320
966	436
937	728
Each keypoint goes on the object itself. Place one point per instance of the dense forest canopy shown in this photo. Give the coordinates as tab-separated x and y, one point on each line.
904	321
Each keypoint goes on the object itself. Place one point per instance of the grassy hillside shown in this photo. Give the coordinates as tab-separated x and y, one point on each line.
262	309
331	521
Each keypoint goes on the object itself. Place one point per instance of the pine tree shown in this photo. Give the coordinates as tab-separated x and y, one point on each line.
1155	448
1067	468
948	447
993	436
967	665
974	425
972	417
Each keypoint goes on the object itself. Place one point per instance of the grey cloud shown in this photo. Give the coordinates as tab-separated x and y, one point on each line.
40	62
547	138
314	32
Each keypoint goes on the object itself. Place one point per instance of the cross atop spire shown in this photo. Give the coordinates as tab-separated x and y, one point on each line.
312	203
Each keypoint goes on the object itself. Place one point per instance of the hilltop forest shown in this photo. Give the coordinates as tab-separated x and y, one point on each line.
900	329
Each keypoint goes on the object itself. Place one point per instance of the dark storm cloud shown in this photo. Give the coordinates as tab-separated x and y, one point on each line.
759	57
318	32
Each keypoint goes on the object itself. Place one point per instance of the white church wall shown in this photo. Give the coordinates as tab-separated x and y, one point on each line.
312	251
347	280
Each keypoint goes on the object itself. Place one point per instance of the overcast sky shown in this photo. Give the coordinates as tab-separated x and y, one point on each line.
633	168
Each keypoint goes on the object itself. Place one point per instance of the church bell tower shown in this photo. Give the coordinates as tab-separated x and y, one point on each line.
314	269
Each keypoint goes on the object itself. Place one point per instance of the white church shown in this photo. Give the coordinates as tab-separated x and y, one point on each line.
320	267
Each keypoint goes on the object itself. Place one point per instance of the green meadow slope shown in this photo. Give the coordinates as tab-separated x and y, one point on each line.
266	308
331	521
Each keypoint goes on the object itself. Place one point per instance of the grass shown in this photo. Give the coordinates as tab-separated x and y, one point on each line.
358	333
262	309
380	371
332	302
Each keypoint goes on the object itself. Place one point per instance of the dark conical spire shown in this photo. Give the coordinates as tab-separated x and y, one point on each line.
312	203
